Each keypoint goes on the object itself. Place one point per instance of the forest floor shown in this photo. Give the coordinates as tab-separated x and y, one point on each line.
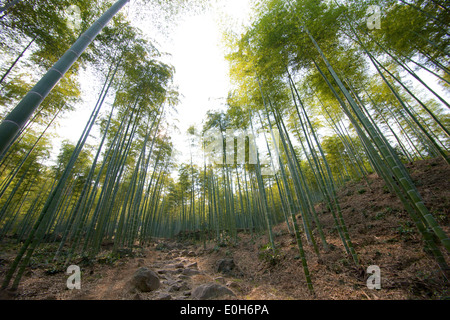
379	228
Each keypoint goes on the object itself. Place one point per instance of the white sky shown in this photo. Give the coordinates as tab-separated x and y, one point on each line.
201	69
201	73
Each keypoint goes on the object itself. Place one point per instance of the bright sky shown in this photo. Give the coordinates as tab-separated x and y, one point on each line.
201	71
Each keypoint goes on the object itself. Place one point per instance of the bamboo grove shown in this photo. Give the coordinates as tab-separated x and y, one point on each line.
319	99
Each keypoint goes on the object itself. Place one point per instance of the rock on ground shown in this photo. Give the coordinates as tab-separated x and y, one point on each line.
190	272
164	296
211	291
225	265
145	280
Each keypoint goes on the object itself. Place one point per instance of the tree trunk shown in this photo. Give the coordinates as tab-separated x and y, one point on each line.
18	117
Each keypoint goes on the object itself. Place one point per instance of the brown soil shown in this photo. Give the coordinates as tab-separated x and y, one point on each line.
381	232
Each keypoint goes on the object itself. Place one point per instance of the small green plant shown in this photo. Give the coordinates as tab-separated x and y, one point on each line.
85	260
406	229
53	270
334	229
362	191
161	246
270	255
440	216
382	214
279	233
364	213
379	215
344	262
108	258
222	244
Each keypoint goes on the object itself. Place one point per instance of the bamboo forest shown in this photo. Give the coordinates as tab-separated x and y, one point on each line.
320	171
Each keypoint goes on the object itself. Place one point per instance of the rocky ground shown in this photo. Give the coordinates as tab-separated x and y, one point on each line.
165	270
380	229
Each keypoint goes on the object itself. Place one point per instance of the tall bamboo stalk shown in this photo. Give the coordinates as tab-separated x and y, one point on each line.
18	117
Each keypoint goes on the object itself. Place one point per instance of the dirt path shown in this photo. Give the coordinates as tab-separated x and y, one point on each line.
179	267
